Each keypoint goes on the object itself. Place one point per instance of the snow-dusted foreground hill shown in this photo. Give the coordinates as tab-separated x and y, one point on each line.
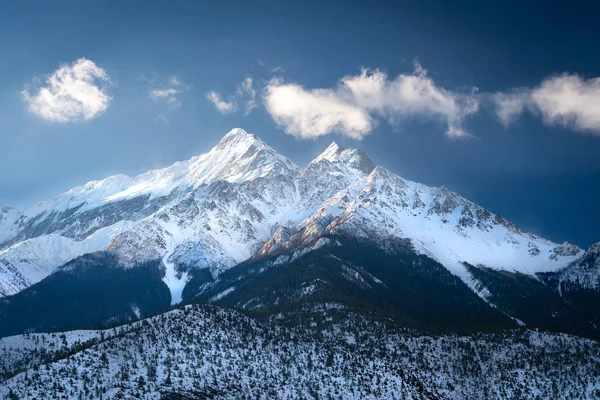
243	199
207	352
22	352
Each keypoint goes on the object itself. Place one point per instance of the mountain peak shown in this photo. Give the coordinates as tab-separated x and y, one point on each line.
6	209
238	136
238	132
331	153
354	158
239	156
594	249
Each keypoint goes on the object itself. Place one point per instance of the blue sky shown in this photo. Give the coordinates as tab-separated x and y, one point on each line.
528	150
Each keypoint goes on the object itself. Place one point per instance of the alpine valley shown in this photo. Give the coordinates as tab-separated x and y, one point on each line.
239	275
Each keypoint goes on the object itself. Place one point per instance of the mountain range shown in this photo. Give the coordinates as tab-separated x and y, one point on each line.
245	229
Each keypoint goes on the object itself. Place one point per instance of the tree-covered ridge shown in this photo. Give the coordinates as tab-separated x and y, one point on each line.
211	351
92	291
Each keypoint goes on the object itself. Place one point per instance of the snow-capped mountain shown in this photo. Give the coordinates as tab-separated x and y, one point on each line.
439	223
156	208
242	199
81	211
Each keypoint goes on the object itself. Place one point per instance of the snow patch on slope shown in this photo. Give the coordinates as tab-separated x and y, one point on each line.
175	282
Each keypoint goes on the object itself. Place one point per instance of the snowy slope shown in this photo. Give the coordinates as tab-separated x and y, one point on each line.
9	223
439	223
27	350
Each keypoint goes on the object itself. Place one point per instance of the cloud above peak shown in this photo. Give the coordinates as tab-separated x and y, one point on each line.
169	93
356	104
311	113
223	106
353	106
567	100
245	91
245	94
76	92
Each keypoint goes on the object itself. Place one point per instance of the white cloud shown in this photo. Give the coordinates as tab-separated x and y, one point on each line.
567	100
163	94
72	93
245	90
270	68
351	107
162	118
166	92
244	93
312	113
223	106
169	95
510	106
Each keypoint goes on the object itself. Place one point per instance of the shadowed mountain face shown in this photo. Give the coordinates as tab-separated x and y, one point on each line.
393	284
90	292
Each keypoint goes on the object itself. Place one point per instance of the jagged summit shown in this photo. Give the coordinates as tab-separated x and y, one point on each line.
239	137
331	153
239	156
5	208
585	271
239	133
591	257
354	158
